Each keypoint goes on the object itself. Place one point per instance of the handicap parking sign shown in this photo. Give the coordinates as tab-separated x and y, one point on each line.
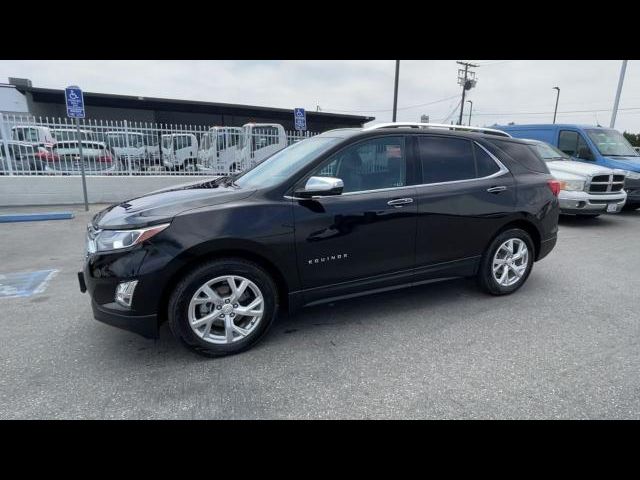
75	102
300	118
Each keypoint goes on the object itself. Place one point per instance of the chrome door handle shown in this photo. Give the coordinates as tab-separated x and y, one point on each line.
499	189
398	202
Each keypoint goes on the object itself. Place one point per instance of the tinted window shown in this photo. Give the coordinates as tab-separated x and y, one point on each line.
446	159
369	165
525	155
485	164
571	143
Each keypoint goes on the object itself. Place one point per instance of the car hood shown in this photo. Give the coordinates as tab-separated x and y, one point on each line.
576	168
162	205
625	163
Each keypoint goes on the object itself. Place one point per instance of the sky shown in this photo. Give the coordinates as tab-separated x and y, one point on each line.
519	91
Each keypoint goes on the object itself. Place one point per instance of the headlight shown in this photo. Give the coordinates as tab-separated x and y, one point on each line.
117	239
572	185
632	175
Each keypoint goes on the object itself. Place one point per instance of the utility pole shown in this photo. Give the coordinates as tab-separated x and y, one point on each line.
614	114
470	110
557	98
467	79
395	91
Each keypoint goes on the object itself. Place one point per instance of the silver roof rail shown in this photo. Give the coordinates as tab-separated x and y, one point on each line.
438	125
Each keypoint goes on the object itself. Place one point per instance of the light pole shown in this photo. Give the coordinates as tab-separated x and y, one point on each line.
470	110
395	91
623	69
557	98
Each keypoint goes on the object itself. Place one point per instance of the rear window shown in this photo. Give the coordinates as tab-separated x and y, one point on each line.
525	155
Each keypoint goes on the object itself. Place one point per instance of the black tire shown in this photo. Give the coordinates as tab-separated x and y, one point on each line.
485	277
191	282
588	215
631	206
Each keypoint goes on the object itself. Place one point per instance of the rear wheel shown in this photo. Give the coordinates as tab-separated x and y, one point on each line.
507	263
223	307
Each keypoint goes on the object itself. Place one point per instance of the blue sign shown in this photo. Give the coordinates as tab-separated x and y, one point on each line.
300	118
75	102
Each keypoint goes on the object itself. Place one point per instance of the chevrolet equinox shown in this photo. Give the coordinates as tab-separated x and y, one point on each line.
345	213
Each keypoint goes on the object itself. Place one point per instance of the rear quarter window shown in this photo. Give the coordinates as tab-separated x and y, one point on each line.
523	154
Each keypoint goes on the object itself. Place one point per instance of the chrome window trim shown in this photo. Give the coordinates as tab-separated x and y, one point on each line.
502	171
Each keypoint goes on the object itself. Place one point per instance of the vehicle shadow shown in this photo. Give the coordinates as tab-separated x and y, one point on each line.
586	222
341	314
630	213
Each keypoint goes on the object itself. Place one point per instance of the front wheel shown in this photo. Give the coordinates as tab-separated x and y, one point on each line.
507	263
223	307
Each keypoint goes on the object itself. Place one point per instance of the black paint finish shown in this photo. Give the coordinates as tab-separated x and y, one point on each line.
324	248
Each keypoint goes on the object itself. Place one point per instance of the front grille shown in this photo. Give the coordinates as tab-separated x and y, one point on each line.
598	188
606	183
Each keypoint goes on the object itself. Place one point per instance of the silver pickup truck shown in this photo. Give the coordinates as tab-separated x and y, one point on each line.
587	190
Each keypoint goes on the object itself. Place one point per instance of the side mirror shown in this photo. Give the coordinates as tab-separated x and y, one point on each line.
584	153
321	186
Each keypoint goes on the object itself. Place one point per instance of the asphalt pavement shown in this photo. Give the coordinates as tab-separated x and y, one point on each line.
566	345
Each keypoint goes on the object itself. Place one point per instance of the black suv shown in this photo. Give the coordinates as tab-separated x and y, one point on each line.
341	214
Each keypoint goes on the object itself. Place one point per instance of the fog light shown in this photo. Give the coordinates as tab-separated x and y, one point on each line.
124	293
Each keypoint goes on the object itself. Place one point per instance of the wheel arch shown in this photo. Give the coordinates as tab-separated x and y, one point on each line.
201	254
526	225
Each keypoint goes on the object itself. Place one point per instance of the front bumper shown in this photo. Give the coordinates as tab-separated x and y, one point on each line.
100	277
114	315
582	202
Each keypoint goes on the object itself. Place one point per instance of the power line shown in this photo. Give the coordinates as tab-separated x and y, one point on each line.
391	109
550	113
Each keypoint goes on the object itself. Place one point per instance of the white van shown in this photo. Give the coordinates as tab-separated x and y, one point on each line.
34	135
129	148
220	150
180	151
261	140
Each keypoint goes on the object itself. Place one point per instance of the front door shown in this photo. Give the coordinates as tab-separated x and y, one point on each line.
365	237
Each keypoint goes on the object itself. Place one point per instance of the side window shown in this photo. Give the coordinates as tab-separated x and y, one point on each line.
446	159
568	142
572	143
525	155
265	136
484	163
222	142
369	165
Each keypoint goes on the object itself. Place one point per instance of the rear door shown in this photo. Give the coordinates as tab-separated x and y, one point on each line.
464	197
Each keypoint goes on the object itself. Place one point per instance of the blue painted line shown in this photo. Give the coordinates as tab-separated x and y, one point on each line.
35	217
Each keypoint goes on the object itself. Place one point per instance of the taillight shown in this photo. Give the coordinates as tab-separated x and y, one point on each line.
105	159
555	186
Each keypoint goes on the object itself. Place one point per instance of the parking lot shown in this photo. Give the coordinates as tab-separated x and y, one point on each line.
566	345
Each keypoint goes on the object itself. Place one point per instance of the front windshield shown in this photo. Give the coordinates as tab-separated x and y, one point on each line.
611	143
286	162
549	153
